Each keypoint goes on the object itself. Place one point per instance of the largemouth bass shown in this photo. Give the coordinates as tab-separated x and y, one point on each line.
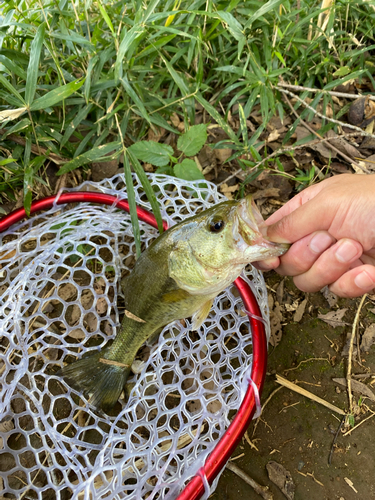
178	276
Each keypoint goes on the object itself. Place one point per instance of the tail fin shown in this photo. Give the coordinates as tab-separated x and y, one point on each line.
99	379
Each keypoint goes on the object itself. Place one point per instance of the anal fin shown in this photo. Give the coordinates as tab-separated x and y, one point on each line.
202	313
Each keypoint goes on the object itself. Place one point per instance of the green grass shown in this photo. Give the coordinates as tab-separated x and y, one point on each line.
80	80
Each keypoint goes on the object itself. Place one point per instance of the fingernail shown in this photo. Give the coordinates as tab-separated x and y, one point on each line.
346	251
321	242
364	281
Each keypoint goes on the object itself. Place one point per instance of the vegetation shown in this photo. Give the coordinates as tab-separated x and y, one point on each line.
83	81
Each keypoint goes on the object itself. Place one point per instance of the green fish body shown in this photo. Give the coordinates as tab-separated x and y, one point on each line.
178	276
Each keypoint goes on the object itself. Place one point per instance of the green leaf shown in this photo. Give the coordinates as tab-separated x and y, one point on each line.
106	17
17	70
216	116
128	39
131	92
343	71
32	70
94	154
270	5
235	28
341	81
148	189
56	95
187	170
81	115
132	205
193	140
9	86
152	152
25	122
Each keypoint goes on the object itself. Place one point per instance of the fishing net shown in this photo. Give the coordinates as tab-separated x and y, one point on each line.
60	298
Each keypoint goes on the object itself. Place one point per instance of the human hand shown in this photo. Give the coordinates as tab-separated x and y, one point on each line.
331	226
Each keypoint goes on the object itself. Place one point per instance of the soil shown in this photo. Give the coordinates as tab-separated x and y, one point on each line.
299	433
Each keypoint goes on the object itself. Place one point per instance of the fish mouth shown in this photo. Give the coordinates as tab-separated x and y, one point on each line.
247	233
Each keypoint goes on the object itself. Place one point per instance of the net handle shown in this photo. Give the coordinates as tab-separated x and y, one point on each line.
225	447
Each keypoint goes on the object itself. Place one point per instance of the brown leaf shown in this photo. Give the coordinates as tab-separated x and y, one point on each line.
300	311
222	154
275	322
77	333
274	135
282	478
67	291
101	305
357	387
266	193
334	318
331	298
228	190
368	338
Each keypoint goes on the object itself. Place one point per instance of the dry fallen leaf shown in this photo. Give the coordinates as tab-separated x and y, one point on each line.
77	333
228	190
101	305
282	478
334	318
300	311
222	154
358	387
67	291
368	338
275	321
274	135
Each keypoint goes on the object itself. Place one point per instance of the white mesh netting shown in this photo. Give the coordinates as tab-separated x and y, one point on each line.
60	295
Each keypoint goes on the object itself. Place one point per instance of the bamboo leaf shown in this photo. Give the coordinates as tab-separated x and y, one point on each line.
11	89
94	154
32	70
134	97
56	95
106	17
128	39
148	189
132	205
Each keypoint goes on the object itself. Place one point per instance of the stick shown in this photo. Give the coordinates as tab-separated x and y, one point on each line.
330	92
290	385
261	490
351	346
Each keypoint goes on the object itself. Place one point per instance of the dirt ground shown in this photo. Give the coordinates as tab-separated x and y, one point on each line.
299	433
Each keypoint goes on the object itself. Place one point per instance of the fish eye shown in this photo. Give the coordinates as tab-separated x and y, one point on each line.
216	226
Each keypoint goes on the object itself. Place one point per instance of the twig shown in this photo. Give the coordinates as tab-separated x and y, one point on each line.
290	149
307	126
263	406
294	387
338	122
334	439
305	361
261	490
330	92
59	160
351	346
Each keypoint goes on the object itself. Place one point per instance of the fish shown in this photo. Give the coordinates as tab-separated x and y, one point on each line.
176	277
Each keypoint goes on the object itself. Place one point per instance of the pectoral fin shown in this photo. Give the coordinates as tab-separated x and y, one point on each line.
175	296
200	315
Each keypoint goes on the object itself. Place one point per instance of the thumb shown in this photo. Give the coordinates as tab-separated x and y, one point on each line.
315	215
